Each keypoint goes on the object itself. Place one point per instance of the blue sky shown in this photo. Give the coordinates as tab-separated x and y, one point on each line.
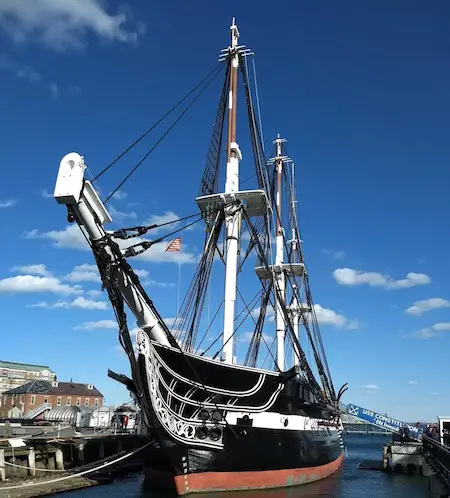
359	89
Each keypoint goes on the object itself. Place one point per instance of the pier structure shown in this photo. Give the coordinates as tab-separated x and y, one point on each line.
34	465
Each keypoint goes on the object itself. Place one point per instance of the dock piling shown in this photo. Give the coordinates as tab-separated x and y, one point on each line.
2	466
32	462
59	459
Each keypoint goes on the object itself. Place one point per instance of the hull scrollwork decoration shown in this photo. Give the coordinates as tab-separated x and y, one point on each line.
185	424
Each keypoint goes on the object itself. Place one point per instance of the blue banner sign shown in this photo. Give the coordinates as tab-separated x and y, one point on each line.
382	420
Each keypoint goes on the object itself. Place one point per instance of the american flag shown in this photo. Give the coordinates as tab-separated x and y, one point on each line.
174	245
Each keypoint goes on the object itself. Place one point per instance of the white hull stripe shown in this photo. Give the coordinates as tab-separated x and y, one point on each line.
272	420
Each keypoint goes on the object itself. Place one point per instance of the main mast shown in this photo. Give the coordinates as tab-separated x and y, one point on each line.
232	216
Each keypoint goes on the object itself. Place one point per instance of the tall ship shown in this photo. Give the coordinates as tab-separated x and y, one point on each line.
246	408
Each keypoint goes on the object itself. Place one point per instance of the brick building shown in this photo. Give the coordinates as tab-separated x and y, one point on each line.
14	374
32	395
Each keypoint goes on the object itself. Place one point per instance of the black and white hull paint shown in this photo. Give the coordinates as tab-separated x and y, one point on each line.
218	437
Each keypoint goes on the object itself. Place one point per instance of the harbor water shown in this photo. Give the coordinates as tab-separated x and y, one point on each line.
349	482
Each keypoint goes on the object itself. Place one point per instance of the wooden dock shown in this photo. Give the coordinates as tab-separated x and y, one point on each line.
36	466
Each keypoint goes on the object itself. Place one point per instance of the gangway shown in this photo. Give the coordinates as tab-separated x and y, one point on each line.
382	421
38	410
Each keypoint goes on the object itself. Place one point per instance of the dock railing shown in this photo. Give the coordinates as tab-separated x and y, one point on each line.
437	456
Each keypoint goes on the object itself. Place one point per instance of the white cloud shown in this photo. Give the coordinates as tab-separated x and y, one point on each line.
347	276
144	275
88	304
27	73
326	316
45	194
8	203
247	336
70	237
369	388
141	273
53	87
120	195
169	321
433	331
270	313
33	284
94	293
22	72
412	382
83	273
334	253
120	215
433	303
63	24
79	302
39	269
100	324
159	219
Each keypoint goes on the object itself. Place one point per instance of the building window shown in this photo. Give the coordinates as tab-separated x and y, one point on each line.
45	400
58	401
33	400
69	401
86	403
96	402
78	401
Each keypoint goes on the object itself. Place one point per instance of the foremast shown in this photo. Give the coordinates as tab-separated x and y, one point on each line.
232	215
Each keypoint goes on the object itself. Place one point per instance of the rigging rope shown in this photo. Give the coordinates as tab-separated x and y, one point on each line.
130	251
114	161
257	103
164	135
143	229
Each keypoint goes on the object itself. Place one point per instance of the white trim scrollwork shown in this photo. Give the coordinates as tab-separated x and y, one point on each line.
177	427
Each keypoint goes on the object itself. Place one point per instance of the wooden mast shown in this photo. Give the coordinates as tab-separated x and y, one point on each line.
232	216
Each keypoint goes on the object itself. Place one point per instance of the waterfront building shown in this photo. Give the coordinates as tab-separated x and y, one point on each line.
38	396
13	374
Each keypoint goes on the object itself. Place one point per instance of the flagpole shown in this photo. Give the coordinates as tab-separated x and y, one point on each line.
178	292
175	246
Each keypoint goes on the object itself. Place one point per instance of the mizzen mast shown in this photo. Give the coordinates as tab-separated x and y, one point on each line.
294	242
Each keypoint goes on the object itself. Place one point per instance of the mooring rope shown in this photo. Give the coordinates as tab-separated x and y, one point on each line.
78	474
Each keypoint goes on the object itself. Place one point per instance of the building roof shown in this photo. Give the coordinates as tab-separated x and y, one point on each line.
23	366
63	388
66	413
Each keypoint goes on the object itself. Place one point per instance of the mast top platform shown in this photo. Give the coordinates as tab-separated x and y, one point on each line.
234	48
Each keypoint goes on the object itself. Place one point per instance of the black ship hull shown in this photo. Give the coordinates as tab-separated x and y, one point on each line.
260	459
227	427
